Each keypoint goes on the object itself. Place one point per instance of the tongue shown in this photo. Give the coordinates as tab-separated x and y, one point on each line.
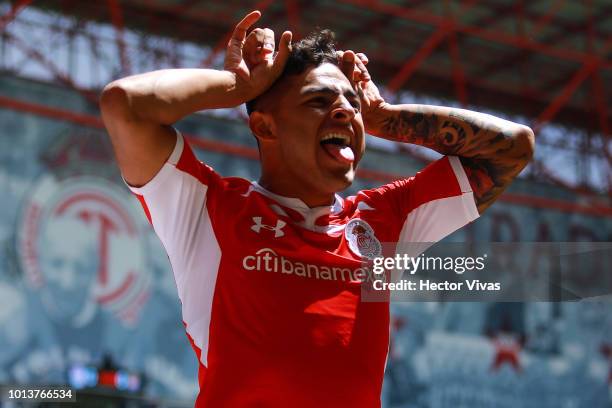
343	154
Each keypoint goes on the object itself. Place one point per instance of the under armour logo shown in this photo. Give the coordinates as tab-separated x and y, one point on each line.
278	229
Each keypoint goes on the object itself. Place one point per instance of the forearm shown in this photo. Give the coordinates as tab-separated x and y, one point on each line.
453	131
166	96
492	150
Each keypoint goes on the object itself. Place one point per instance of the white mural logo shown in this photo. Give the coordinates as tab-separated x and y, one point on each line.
79	243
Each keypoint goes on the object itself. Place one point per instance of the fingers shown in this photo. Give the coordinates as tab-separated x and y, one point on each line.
362	57
240	31
354	66
259	46
233	55
267	44
360	63
347	63
284	48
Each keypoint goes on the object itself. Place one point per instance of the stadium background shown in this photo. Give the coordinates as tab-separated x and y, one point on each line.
85	283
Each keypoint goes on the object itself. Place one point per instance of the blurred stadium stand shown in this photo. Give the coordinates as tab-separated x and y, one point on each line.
545	63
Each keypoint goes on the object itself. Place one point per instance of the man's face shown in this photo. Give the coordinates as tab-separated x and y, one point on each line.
69	267
319	129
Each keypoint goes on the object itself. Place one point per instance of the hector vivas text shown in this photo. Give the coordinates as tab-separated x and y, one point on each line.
412	265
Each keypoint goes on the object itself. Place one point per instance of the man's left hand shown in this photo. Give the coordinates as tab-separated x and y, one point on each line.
353	65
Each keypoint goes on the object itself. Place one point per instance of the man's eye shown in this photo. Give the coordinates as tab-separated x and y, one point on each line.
318	101
356	104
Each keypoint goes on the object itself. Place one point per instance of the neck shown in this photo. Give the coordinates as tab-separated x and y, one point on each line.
288	188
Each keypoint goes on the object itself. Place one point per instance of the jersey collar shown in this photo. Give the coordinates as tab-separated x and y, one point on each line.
310	214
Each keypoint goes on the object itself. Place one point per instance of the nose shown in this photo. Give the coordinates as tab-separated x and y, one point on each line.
343	111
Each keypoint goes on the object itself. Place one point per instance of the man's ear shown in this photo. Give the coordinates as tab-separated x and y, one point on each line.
262	126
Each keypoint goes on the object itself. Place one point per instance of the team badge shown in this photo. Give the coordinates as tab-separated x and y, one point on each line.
361	239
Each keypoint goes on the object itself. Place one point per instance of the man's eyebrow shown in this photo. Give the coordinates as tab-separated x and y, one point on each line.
327	90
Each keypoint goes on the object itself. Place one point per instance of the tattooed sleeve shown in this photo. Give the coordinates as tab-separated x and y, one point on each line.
493	151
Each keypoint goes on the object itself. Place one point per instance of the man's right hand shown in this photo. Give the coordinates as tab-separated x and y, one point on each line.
138	110
252	59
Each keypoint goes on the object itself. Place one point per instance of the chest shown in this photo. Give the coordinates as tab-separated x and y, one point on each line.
295	282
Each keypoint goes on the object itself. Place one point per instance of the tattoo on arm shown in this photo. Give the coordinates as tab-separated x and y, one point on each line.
490	153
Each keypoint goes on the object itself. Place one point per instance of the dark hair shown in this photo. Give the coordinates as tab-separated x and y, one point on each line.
313	50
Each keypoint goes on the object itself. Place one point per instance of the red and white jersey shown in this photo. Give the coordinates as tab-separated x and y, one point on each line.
270	288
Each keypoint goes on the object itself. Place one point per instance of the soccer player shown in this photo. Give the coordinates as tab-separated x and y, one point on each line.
269	273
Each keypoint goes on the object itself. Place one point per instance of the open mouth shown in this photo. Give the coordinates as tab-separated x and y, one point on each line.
337	145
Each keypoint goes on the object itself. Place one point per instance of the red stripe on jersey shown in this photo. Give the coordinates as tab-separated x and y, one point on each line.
435	182
430	179
198	351
191	165
144	207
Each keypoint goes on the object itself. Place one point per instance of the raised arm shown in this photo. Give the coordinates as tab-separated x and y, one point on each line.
138	110
493	151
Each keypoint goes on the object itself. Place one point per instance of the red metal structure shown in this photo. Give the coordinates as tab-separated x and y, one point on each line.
546	61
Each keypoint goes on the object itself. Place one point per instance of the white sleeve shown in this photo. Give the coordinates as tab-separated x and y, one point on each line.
441	201
176	202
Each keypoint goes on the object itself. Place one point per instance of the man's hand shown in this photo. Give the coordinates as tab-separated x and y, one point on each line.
252	58
493	151
372	103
